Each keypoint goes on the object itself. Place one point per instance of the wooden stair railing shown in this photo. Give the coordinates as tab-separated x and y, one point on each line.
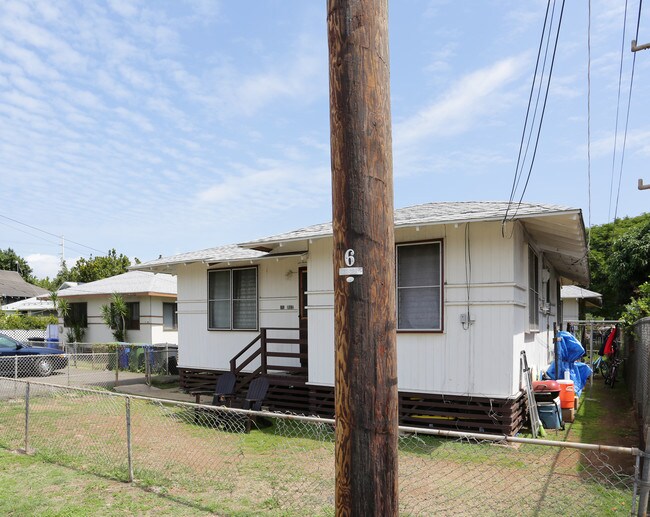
265	355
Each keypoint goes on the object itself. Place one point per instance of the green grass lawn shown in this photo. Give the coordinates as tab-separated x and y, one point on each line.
193	463
33	487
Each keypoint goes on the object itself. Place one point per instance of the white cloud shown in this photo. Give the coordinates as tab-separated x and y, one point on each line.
44	265
274	184
300	77
463	105
636	141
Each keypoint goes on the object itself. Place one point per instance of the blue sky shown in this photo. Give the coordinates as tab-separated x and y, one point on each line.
170	126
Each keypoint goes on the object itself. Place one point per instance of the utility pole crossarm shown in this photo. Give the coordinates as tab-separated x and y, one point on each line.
636	48
643	186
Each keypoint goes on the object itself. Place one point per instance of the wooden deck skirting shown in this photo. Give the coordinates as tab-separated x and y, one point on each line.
430	410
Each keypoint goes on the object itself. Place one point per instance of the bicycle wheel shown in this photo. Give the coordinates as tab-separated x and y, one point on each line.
612	376
604	369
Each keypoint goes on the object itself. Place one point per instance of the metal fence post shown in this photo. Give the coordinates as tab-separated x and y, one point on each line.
645	477
117	364
147	365
591	351
129	450
27	387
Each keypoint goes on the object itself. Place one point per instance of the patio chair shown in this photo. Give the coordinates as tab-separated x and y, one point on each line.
256	394
224	391
254	397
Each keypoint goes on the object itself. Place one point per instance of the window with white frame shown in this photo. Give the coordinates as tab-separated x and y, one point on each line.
419	286
170	316
533	290
232	299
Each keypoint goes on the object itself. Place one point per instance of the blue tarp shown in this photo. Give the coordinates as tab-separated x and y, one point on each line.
569	352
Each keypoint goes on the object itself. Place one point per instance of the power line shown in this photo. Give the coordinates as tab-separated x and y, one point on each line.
541	118
627	116
520	163
530	98
589	121
49	233
618	104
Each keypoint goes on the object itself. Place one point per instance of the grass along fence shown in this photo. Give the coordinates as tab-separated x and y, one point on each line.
200	455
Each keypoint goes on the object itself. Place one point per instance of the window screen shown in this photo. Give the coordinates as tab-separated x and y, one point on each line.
232	299
419	281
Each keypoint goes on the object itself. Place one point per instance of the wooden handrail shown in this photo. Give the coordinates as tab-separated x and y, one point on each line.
286	341
233	361
264	354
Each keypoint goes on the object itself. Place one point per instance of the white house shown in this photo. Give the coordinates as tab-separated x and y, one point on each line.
34	306
576	300
150	297
472	293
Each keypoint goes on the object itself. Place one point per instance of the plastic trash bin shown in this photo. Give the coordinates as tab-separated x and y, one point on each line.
124	358
53	343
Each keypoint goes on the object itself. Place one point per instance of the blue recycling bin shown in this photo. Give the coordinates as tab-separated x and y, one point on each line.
53	343
124	358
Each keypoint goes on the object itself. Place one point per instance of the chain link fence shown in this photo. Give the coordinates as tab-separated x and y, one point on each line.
202	456
94	365
637	372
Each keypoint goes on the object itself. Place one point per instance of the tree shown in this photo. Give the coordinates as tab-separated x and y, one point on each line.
114	315
639	307
96	268
619	261
11	261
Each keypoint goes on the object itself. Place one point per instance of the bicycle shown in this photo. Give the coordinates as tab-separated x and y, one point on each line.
611	378
600	365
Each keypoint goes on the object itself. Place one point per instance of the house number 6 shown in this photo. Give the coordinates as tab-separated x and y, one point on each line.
349	258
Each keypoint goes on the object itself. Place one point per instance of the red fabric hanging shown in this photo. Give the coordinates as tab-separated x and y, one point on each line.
609	345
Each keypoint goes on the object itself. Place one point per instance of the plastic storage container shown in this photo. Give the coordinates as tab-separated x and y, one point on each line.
550	415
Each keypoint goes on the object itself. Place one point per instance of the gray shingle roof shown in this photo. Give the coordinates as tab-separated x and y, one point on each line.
12	285
574	291
133	282
433	213
430	213
218	254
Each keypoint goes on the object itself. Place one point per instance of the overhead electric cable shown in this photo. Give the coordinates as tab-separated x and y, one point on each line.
530	98
589	122
539	93
541	119
49	233
29	233
618	104
627	116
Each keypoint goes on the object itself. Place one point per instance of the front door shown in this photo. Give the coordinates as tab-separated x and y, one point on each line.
302	296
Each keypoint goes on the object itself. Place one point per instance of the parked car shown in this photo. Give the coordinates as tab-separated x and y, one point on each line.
31	360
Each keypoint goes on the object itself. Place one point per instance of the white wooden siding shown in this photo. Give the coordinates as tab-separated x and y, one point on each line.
151	320
278	307
482	360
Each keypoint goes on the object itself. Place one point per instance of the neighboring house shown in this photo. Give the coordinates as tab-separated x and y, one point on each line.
13	288
471	295
150	297
575	302
31	306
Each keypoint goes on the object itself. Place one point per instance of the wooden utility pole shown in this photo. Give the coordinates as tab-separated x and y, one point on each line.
364	259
